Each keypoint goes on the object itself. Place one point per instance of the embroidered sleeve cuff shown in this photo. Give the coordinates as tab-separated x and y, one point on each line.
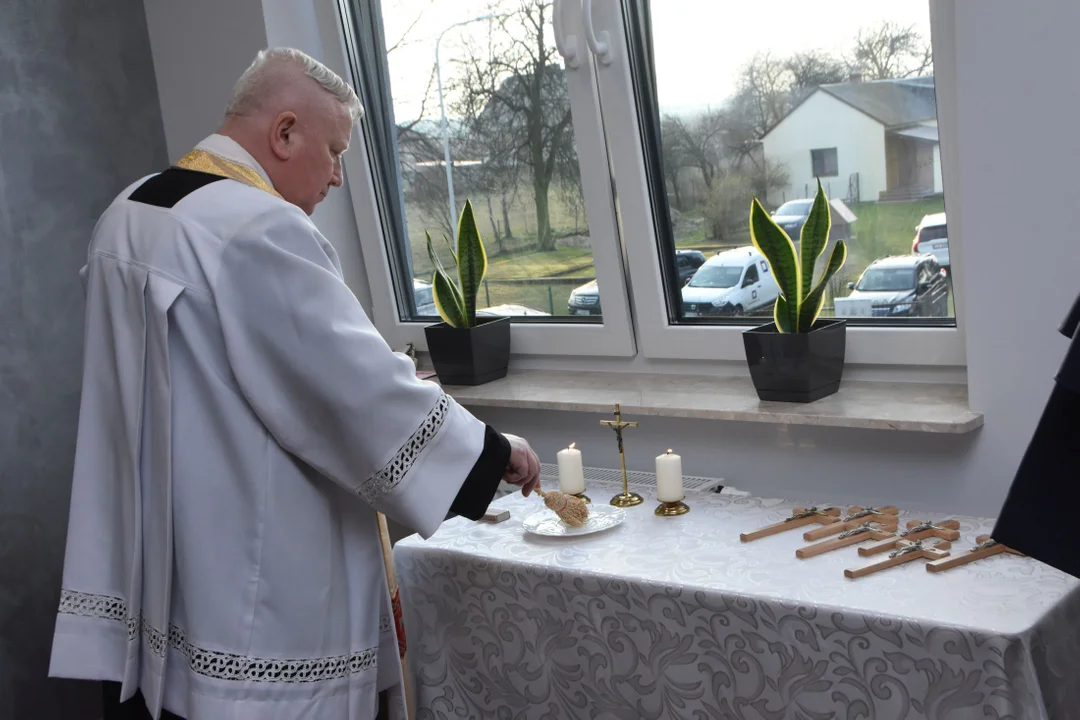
479	487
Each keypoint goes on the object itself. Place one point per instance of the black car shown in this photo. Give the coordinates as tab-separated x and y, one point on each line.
585	300
904	286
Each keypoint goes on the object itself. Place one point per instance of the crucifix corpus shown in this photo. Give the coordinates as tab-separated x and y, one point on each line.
906	551
985	547
625	498
948	530
855	517
800	517
882	529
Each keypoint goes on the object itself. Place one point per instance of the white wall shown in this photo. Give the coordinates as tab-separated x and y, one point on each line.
199	47
822	121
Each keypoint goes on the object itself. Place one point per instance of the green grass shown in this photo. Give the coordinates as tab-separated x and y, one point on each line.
543	264
533	296
884	229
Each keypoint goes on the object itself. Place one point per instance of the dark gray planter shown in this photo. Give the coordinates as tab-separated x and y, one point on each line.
470	356
796	367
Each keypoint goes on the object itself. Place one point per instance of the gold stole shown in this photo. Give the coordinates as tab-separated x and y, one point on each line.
208	162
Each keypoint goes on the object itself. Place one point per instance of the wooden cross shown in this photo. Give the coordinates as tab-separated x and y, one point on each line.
905	552
856	516
800	517
872	530
948	530
985	547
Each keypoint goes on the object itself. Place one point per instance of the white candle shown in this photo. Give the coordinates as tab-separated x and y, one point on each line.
669	477
571	472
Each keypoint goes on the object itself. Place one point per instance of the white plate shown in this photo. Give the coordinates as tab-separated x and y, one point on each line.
601	517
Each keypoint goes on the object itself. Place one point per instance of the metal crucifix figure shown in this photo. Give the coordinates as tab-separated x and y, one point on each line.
625	498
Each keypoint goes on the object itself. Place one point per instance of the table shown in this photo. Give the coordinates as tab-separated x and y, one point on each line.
676	618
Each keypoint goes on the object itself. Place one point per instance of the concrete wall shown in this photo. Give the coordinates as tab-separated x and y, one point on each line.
79	121
825	122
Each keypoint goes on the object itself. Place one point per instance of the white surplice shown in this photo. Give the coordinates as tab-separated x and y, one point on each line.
241	421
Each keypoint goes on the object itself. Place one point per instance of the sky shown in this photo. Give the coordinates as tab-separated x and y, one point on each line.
700	45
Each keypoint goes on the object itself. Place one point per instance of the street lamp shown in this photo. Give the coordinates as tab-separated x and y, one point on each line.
445	132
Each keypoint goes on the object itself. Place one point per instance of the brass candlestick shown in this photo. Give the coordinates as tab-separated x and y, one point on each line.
625	498
583	496
671	509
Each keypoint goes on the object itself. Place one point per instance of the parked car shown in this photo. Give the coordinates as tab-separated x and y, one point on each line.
510	311
900	286
425	299
932	237
734	282
687	263
585	300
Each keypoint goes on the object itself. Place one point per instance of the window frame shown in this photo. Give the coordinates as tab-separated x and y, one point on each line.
661	335
824	174
359	22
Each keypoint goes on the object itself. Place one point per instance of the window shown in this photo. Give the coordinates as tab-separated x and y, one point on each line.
751	276
773	100
639	164
824	163
471	101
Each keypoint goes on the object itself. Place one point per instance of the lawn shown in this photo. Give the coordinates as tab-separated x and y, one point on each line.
562	261
884	229
547	298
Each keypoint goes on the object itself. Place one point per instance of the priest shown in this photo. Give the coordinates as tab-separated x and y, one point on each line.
1039	516
241	423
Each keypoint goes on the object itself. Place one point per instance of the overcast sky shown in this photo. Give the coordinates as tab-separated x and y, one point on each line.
700	45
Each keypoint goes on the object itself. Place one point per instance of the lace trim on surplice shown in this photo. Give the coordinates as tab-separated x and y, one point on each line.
214	663
373	489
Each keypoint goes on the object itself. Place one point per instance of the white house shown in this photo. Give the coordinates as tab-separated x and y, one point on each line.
866	141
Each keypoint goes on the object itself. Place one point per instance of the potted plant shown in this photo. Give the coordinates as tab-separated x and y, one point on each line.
464	350
797	357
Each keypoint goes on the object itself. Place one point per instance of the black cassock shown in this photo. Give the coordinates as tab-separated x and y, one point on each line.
1040	514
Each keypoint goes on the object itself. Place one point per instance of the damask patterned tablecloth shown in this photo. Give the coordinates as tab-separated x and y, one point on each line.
676	618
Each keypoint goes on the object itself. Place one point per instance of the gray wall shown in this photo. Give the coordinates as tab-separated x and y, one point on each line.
79	120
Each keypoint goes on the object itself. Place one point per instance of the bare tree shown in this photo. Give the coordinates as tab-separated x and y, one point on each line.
672	155
891	51
699	142
515	86
809	70
764	94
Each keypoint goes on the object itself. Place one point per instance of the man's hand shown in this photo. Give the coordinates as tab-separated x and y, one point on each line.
524	467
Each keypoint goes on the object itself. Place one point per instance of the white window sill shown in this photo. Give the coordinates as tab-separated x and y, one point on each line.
914	407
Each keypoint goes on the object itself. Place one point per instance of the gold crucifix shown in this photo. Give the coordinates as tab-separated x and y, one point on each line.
625	498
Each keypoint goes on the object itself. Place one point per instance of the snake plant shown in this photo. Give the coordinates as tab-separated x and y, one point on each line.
800	300
456	302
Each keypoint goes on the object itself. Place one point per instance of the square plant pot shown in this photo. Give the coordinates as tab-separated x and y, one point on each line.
796	367
470	356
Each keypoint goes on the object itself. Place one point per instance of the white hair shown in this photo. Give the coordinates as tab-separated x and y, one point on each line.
255	81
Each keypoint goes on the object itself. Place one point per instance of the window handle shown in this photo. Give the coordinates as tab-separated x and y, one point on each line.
567	45
600	43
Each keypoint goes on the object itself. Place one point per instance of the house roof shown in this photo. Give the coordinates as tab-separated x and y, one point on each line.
893	103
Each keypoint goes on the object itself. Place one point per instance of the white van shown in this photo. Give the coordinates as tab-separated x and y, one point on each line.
734	282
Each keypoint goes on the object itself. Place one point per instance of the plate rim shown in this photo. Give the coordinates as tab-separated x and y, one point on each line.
618	512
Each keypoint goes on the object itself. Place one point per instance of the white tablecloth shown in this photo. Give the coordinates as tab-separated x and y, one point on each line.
676	618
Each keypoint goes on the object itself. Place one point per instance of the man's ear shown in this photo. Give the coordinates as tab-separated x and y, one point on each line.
281	131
